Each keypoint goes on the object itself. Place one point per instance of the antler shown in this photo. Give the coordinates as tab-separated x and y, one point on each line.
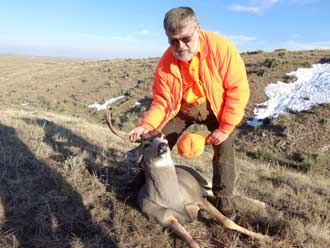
147	136
117	132
125	135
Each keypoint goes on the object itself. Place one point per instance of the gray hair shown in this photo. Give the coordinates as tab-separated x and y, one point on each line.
178	18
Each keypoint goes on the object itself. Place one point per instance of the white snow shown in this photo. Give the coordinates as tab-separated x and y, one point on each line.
312	88
103	106
137	104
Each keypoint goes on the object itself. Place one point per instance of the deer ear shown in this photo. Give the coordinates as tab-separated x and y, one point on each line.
135	154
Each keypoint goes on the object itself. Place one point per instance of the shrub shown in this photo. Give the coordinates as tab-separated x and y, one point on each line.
290	78
305	64
325	123
281	54
280	50
291	111
265	154
271	62
325	60
261	71
254	52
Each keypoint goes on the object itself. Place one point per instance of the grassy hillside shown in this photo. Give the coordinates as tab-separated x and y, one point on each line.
64	184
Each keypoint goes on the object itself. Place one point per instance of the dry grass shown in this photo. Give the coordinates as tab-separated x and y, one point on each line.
69	86
63	182
63	185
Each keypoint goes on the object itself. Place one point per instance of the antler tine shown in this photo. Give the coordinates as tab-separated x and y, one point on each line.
147	136
117	132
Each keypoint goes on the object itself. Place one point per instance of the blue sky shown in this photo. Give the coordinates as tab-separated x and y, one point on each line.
103	29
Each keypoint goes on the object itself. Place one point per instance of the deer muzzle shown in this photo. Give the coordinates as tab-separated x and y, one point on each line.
163	148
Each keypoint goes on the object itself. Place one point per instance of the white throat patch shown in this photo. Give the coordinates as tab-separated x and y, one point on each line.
164	160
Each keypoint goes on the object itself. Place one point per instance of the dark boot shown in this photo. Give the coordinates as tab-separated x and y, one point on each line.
225	206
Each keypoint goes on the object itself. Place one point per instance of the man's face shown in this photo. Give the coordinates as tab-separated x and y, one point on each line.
184	44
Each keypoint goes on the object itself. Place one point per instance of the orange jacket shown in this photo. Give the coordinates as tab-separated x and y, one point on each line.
221	70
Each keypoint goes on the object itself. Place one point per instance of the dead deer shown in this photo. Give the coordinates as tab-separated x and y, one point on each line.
173	195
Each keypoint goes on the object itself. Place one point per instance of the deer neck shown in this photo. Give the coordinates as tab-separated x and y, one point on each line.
162	185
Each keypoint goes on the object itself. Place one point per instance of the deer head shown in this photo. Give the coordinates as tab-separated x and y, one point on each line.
153	143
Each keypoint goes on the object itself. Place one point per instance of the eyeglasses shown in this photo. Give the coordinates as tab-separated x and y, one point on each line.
185	39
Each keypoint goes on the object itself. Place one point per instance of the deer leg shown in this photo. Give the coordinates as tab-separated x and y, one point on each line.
192	210
215	213
181	232
167	219
258	203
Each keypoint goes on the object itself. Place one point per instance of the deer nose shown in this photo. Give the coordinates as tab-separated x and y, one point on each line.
162	148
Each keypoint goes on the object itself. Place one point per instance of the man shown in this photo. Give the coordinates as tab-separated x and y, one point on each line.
201	79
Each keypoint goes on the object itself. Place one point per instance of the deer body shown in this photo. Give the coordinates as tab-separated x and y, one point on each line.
157	193
173	195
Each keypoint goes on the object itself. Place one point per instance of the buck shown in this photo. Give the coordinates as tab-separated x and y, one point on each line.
172	194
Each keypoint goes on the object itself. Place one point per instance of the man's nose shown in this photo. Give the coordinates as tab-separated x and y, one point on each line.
180	44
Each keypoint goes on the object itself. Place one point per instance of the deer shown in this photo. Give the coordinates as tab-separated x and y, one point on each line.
173	194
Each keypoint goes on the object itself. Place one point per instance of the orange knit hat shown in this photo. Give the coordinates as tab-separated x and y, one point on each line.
191	145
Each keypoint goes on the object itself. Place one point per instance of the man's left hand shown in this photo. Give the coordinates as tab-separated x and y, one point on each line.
216	137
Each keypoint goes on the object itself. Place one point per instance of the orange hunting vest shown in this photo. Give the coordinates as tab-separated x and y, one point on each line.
222	73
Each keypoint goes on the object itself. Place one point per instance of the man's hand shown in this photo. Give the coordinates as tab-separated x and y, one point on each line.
137	133
216	137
